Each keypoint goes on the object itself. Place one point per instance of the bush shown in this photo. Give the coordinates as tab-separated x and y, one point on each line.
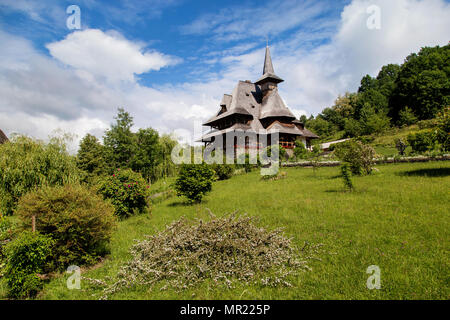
422	141
223	171
26	258
128	192
407	117
300	151
427	124
194	181
77	219
358	155
443	129
26	164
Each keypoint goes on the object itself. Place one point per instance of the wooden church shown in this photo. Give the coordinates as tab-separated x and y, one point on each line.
257	108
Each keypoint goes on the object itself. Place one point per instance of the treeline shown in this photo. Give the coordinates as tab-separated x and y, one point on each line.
400	95
144	151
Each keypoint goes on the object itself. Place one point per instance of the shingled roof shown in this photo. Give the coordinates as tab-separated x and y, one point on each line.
3	137
261	103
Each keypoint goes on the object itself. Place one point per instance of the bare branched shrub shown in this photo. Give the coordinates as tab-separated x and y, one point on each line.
224	250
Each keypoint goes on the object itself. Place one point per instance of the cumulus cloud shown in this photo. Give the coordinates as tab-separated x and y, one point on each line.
90	73
107	55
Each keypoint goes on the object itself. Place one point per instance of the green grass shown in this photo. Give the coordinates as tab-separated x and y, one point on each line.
397	219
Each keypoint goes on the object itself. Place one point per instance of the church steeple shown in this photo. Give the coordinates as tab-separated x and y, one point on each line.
268	72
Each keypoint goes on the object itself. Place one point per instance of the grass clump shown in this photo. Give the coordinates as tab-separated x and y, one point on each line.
223	250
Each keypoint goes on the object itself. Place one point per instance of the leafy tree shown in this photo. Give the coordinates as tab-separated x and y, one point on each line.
358	155
147	153
422	141
423	83
27	164
91	156
166	167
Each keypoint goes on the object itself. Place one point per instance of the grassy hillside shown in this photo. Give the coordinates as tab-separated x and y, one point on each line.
397	219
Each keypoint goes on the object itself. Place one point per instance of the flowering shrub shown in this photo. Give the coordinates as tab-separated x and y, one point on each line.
127	191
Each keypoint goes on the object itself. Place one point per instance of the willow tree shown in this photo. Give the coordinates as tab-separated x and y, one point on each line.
27	164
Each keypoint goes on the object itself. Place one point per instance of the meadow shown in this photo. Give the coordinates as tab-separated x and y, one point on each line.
397	219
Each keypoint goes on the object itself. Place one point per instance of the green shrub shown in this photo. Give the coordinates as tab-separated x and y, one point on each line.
223	171
358	155
128	192
422	141
77	219
300	151
26	164
194	181
26	258
407	117
443	129
427	124
244	163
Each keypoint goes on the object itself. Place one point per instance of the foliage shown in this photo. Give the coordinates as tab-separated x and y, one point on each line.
166	167
422	141
407	117
79	221
119	141
127	191
27	164
91	156
401	146
194	181
358	155
147	153
423	83
26	258
300	151
346	176
443	128
223	171
225	250
399	95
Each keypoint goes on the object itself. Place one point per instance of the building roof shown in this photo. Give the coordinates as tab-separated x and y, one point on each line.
3	137
268	72
248	100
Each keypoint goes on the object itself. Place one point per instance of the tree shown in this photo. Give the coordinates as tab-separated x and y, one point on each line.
166	167
147	153
91	156
119	141
27	164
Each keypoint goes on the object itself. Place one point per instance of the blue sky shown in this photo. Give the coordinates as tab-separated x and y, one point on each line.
169	62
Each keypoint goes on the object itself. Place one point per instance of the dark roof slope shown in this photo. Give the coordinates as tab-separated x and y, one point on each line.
3	137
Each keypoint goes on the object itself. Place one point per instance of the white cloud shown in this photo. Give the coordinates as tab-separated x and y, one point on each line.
107	55
92	72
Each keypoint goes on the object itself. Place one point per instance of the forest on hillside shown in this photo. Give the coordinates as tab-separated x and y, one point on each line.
400	95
